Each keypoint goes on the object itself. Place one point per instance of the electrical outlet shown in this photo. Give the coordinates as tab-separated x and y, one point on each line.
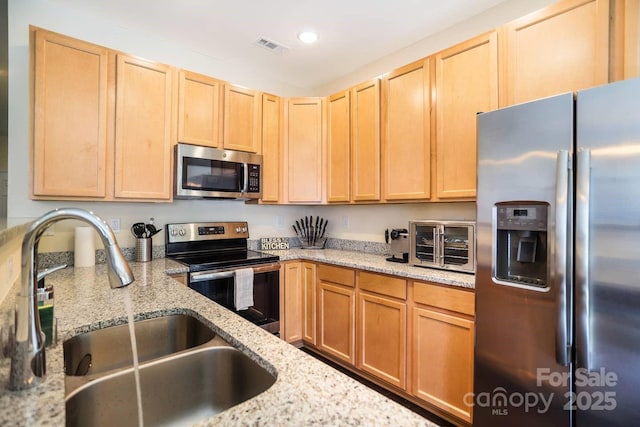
114	223
345	222
279	221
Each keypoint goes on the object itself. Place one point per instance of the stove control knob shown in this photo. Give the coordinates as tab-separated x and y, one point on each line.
174	232
182	232
237	230
244	229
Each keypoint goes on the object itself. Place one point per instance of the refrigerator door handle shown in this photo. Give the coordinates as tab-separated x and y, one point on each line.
561	226
583	190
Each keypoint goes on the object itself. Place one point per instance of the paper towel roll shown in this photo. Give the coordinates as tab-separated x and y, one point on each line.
85	251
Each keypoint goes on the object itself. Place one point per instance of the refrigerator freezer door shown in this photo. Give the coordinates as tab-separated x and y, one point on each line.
608	271
516	327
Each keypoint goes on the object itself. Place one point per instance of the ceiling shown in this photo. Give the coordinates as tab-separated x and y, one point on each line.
353	33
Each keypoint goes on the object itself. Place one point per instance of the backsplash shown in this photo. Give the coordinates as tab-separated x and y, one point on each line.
51	259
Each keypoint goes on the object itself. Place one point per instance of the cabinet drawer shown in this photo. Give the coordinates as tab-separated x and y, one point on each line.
384	285
444	297
339	275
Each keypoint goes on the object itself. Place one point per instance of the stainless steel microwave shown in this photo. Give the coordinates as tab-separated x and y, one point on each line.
448	245
205	172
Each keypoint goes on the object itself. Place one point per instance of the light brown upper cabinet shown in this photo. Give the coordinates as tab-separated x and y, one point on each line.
199	109
145	94
241	119
338	147
561	48
304	150
271	148
625	31
365	142
71	147
466	78
406	143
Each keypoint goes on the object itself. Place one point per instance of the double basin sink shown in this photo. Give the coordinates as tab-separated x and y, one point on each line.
187	373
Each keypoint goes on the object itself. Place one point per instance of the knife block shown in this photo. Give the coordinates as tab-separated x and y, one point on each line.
316	244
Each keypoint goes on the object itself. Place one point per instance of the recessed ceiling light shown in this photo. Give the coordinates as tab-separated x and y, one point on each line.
308	36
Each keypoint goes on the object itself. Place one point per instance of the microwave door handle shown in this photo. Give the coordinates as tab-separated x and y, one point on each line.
245	180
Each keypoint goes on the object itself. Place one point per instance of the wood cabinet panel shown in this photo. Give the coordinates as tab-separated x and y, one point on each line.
304	150
241	119
365	141
338	147
309	295
561	48
199	109
336	320
406	144
442	360
341	275
445	297
384	285
466	78
144	102
381	332
71	149
291	301
271	149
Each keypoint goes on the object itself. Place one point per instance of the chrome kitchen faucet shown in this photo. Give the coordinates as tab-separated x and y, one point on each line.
28	354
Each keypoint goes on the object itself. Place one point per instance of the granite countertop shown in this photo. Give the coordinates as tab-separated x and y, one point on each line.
379	264
307	392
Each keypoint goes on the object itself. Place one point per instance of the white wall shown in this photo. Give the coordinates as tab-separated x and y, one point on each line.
365	222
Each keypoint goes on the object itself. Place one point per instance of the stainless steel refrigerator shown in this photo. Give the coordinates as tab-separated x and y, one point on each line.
558	261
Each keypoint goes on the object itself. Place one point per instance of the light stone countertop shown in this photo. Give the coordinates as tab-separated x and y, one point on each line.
307	392
378	264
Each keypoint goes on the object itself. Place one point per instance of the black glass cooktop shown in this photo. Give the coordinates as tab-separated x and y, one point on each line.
224	259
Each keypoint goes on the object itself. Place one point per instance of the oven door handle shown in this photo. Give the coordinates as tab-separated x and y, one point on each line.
226	274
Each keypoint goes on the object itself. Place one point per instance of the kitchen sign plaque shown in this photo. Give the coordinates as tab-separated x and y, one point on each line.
274	243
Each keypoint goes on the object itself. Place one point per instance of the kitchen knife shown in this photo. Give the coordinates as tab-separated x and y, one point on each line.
300	229
316	230
324	228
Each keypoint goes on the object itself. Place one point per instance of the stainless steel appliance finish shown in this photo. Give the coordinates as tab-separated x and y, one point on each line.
205	172
448	245
398	239
214	251
571	341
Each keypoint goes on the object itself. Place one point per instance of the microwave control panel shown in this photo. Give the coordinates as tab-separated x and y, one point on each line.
254	179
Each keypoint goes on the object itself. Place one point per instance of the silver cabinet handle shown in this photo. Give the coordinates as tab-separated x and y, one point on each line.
561	227
583	194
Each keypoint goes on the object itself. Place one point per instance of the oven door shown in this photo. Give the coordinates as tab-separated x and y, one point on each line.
219	287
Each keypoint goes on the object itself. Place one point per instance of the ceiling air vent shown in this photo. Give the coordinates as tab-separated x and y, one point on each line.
271	45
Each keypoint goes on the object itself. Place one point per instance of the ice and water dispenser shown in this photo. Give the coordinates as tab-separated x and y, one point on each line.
521	244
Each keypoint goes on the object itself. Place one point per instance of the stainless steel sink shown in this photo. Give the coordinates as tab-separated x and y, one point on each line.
107	349
177	390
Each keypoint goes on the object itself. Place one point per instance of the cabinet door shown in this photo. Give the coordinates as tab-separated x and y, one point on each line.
271	151
338	147
309	302
382	331
561	48
365	142
241	119
199	109
71	148
144	101
406	147
336	312
291	301
304	150
442	360
466	83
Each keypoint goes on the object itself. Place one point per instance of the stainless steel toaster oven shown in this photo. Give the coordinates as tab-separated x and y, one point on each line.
448	245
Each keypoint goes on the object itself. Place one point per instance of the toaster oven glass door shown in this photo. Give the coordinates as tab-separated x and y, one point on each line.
426	242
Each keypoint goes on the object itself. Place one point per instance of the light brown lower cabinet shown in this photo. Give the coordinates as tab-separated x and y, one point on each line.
337	312
382	327
442	339
415	338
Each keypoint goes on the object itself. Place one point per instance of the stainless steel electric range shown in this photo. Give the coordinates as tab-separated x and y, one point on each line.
215	253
